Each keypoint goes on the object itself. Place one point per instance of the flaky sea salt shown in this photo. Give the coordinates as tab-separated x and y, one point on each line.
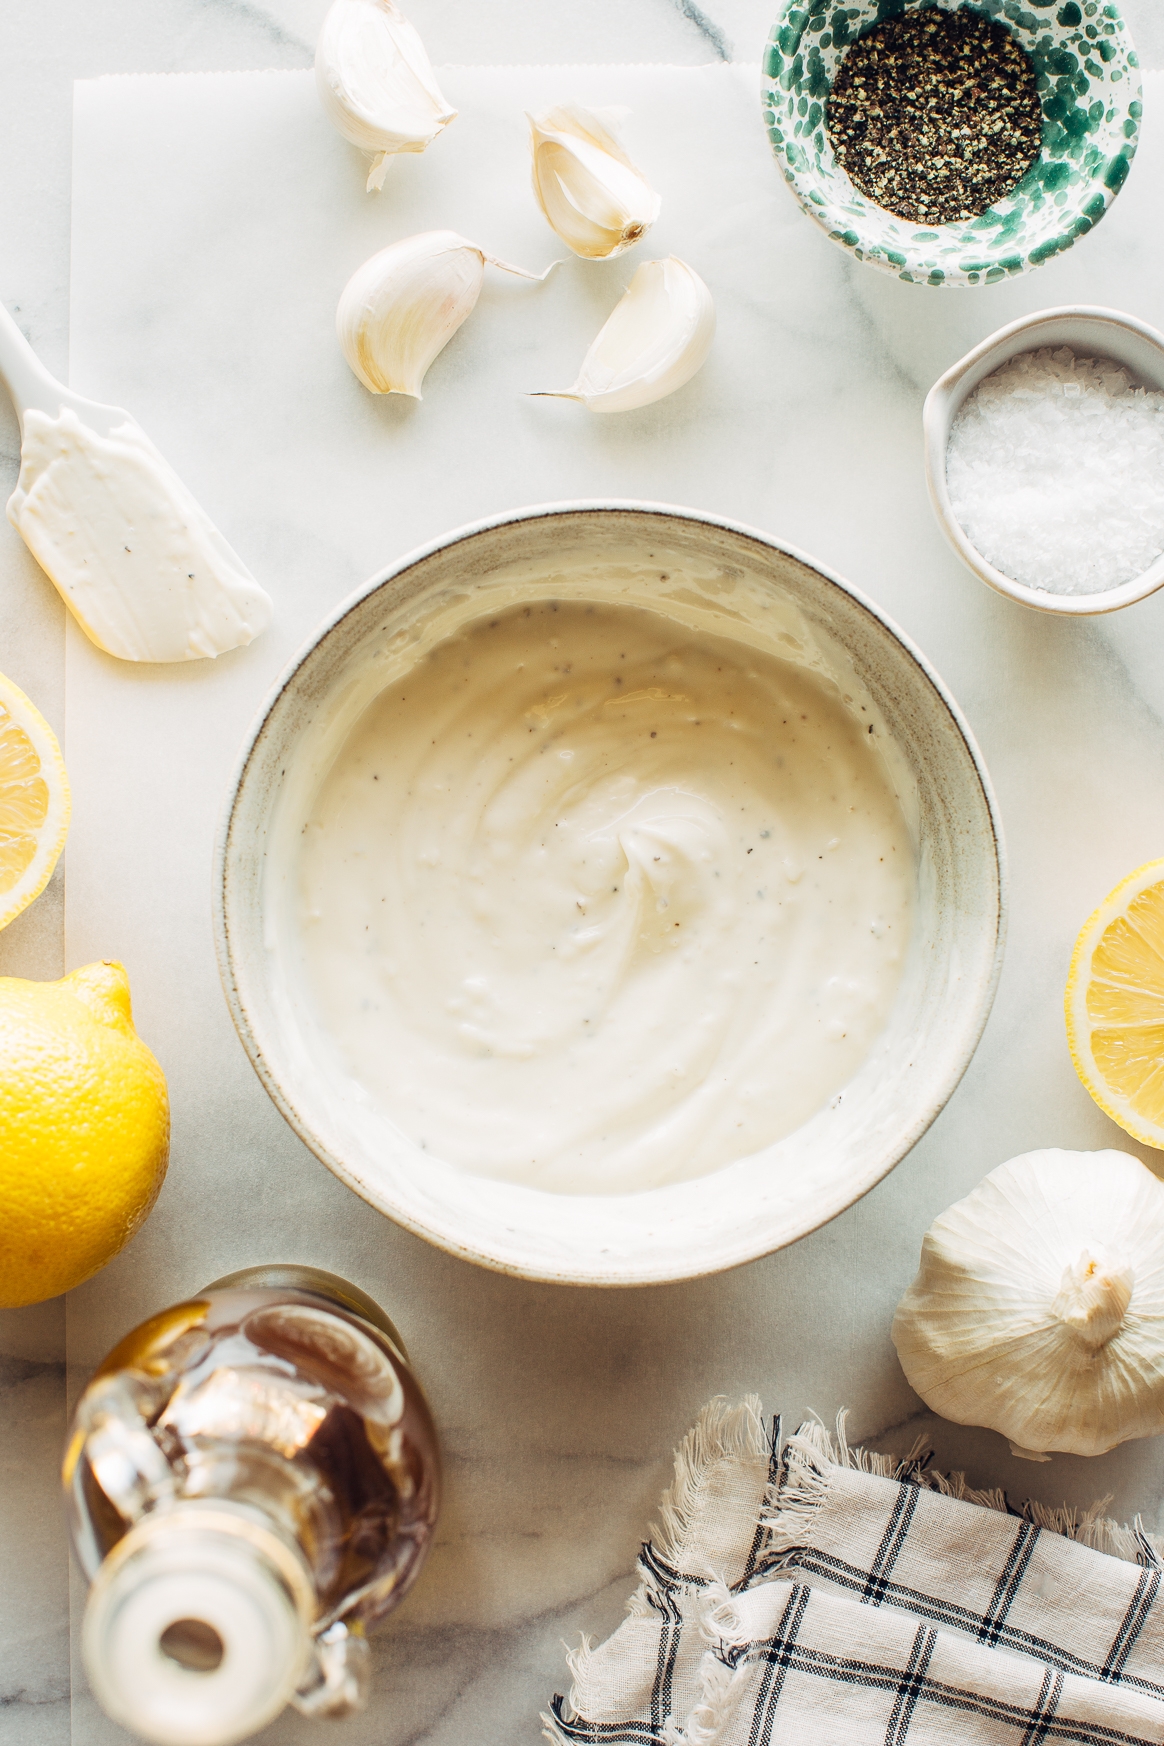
1055	469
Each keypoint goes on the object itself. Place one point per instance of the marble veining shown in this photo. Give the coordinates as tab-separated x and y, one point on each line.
707	28
269	24
34	1683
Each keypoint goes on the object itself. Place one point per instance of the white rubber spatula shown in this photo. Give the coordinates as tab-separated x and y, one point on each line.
136	560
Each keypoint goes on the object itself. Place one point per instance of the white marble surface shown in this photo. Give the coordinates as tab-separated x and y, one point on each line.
560	1408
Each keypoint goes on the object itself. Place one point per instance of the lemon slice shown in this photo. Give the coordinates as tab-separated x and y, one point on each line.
34	801
1115	1004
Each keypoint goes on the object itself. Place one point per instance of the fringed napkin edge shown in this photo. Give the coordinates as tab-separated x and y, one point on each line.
804	1483
791	1483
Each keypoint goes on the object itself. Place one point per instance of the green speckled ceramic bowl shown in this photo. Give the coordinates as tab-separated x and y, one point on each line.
1089	82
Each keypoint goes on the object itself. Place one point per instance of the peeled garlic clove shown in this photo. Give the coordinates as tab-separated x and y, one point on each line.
654	341
401	308
376	83
585	184
1038	1310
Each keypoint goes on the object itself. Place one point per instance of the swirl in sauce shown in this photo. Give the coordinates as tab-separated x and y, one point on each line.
594	902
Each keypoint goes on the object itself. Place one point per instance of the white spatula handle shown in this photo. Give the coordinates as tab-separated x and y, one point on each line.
23	374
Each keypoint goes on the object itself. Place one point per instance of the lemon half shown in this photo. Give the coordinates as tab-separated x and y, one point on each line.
1115	1004
34	801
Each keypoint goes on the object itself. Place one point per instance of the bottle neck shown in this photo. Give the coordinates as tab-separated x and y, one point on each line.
197	1627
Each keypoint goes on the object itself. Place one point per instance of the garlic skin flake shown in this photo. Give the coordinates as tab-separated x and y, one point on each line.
401	308
376	83
1038	1310
654	341
590	192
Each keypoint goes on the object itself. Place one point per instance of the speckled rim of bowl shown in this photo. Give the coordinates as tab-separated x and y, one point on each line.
237	939
1079	47
1090	331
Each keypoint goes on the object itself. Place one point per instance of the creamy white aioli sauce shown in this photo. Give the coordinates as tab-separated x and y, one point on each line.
594	902
133	555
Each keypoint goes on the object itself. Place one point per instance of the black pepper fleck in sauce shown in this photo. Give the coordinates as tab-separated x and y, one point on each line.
936	115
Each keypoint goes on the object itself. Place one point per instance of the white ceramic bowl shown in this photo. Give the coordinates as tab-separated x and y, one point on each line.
1093	333
734	581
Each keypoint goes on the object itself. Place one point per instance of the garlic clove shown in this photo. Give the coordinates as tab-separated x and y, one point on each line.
376	83
401	308
654	341
592	195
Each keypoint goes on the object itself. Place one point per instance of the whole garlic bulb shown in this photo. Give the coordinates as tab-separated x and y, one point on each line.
654	341
587	187
402	307
1038	1310
376	83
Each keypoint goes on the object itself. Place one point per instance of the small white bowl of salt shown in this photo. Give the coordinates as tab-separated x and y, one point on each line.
1045	460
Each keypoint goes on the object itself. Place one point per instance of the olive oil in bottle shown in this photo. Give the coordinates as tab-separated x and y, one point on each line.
252	1483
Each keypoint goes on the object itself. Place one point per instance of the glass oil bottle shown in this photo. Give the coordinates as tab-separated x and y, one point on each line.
252	1482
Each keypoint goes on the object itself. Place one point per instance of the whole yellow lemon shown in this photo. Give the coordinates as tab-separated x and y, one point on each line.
84	1129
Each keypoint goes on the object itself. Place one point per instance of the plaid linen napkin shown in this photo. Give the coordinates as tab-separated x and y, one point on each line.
813	1594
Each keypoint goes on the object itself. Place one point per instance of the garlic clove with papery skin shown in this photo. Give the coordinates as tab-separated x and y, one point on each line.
1038	1309
376	83
596	200
402	307
654	341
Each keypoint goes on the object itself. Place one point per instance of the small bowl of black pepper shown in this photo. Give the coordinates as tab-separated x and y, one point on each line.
948	143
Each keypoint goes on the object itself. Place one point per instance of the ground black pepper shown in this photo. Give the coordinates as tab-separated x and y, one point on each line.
935	115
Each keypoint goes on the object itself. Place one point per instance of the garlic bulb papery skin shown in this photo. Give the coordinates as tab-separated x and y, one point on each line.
376	83
590	192
401	308
1038	1310
654	341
